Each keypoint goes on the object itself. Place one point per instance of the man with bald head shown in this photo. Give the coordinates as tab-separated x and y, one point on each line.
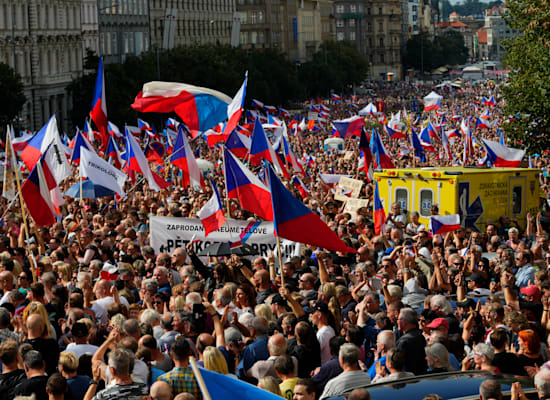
36	327
103	291
306	283
161	391
263	286
277	346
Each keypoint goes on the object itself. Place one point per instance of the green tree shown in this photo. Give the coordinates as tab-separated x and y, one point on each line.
528	87
12	99
425	54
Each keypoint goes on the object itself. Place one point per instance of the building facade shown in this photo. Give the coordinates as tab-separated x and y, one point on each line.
42	41
190	22
123	28
89	23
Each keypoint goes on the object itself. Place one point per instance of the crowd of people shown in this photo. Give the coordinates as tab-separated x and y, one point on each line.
89	310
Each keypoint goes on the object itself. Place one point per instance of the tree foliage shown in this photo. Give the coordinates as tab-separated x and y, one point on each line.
528	88
467	7
13	98
446	49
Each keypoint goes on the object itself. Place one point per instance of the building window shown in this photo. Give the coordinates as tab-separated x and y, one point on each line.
260	17
352	22
368	11
380	27
339	23
353	8
380	11
339	9
253	37
244	18
381	43
352	36
253	17
244	38
339	36
369	27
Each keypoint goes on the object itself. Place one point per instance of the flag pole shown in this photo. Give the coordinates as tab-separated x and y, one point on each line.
199	378
23	214
280	261
80	175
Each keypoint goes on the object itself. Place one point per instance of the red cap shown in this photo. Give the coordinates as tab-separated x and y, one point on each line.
436	323
532	290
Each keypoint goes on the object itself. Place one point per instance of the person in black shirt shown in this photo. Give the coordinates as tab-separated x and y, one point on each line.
36	381
412	343
11	375
506	362
47	347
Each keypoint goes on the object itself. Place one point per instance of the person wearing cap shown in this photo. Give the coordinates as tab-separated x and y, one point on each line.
278	306
476	285
439	324
464	308
80	346
325	332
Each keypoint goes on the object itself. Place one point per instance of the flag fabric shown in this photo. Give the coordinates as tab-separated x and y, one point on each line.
425	140
79	143
336	98
453	133
38	144
501	138
300	186
154	152
332	179
200	108
36	193
381	158
88	132
101	173
235	108
291	158
350	126
261	149
365	148
243	185
225	387
503	156
257	104
394	134
211	214
19	143
143	125
489	102
468	142
9	187
113	130
432	131
183	158
378	212
136	161
294	221
446	146
441	224
482	123
417	147
99	105
432	101
113	153
212	137
238	144
284	113
270	109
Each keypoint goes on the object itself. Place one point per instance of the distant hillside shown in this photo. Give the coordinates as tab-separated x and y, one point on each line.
467	7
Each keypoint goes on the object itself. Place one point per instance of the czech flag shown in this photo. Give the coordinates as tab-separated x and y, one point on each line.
238	144
381	158
38	144
284	113
243	185
294	221
300	186
336	98
183	158
394	134
113	130
291	158
417	147
441	224
235	108
270	109
482	123
113	153
489	102
453	133
36	193
446	146
200	108
257	104
378	213
432	131
425	140
503	156
136	161
349	126
365	148
432	102
99	105
80	141
211	214
261	149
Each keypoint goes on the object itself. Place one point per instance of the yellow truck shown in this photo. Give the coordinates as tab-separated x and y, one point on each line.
476	194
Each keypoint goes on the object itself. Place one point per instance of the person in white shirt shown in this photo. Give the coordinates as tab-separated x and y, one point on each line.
80	346
325	332
104	291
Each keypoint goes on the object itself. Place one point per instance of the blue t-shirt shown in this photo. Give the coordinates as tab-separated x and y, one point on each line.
78	386
372	370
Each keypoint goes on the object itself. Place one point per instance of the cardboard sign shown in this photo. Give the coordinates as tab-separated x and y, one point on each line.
348	188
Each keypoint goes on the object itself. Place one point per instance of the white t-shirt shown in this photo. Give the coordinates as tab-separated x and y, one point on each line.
323	336
81	349
100	307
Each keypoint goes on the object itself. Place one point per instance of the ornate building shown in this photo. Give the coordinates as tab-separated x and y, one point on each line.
41	40
187	22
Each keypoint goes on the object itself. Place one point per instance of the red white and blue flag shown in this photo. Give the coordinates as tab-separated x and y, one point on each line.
113	153
261	149
381	157
489	102
243	185
80	141
238	144
113	130
183	158
99	105
211	214
378	212
502	156
235	108
351	126
38	144
257	104
432	101
441	224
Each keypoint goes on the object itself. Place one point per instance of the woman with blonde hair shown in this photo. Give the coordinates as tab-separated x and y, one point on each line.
437	357
327	294
263	310
64	272
215	361
270	384
38	308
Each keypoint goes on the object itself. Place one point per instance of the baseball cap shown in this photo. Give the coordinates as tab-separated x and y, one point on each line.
321	306
532	290
475	277
466	303
278	299
436	323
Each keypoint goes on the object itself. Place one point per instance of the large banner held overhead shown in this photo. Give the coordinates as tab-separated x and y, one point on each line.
169	233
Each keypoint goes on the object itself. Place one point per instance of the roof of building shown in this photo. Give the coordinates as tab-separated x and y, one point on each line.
482	35
453	25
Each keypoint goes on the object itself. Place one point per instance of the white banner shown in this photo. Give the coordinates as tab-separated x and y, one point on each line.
100	172
169	233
